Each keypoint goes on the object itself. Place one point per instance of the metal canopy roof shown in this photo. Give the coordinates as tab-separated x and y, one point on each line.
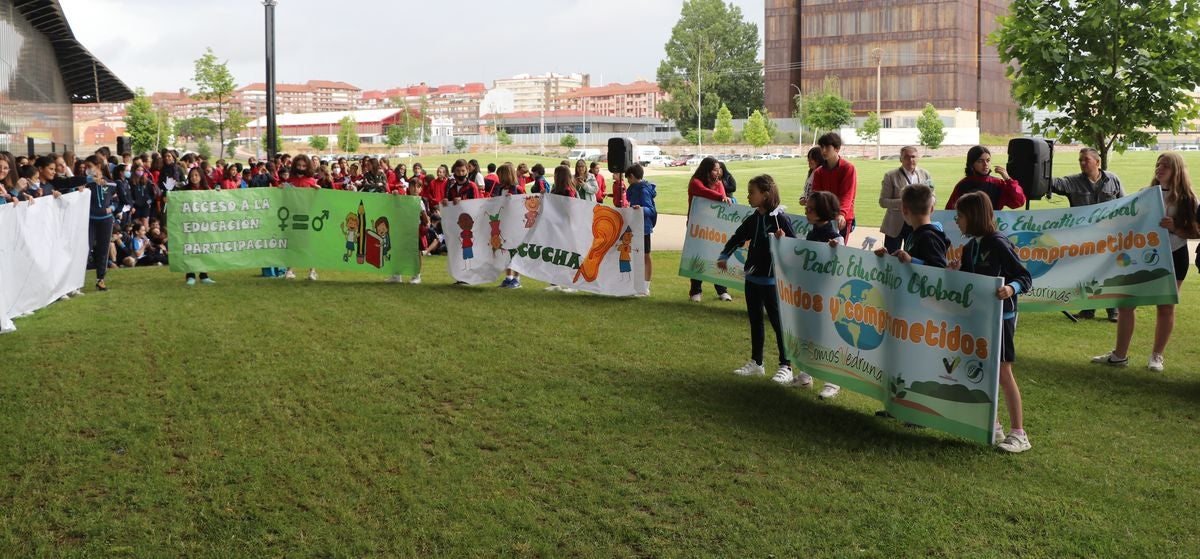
84	76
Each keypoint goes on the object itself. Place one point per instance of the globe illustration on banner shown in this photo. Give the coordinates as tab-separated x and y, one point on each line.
857	334
1034	239
1123	260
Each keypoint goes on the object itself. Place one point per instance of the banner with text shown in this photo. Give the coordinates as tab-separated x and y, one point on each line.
300	227
43	253
923	341
1112	254
710	225
480	233
582	245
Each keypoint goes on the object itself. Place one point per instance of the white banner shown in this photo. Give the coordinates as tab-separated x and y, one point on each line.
43	253
481	233
579	244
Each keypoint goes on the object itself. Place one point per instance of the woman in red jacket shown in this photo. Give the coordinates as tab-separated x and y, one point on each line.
1004	192
706	183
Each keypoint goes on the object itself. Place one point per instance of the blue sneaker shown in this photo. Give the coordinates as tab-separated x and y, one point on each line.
516	284
506	284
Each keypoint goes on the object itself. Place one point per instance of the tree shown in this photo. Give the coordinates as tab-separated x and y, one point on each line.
195	127
870	128
569	141
503	138
723	133
826	110
714	52
347	136
214	83
203	149
142	123
1114	69
930	126
460	144
278	139
318	143
395	136
756	130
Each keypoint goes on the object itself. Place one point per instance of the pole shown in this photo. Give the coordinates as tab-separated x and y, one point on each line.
799	119
699	100
272	136
542	136
878	102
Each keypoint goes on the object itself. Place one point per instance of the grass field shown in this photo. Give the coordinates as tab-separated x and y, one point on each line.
354	418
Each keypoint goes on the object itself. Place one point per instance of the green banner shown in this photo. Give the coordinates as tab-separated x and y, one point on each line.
709	226
300	227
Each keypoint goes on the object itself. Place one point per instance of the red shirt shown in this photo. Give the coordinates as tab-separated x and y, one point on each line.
697	188
602	189
435	192
842	181
303	182
230	184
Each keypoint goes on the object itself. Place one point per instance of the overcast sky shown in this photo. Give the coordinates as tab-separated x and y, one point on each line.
377	44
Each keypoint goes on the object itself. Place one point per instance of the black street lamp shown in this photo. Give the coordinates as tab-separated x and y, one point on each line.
272	136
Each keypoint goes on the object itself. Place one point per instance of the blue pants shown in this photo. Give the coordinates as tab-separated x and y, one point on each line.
99	237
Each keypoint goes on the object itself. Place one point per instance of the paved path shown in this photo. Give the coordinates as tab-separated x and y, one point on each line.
671	229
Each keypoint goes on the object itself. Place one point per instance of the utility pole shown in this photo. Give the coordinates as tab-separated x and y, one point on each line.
699	108
878	103
272	138
799	118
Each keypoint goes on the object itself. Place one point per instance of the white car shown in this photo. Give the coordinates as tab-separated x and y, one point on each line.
1188	147
696	159
660	160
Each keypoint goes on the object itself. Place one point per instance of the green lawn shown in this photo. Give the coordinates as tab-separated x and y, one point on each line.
354	418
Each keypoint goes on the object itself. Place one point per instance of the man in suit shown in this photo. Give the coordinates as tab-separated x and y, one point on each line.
894	229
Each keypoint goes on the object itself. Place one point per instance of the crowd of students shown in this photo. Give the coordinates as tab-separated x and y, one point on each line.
128	196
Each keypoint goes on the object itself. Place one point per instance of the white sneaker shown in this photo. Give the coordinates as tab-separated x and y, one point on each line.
65	297
289	275
783	375
1111	360
1156	362
726	297
640	295
1015	443
312	275
416	280
567	289
397	278
829	391
696	298
750	369
77	293
552	287
803	380
997	434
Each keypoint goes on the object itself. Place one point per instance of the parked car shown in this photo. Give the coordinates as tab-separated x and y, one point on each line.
661	161
1188	147
680	161
696	159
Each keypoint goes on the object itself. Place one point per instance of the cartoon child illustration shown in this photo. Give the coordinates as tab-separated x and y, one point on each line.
381	229
496	242
466	222
623	248
350	230
532	203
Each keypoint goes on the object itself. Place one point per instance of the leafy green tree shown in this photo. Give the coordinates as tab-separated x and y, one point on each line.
460	144
278	139
503	138
347	136
712	51
870	128
1115	69
826	110
142	123
569	141
395	136
318	142
930	126
203	149
195	127
756	130
723	133
214	83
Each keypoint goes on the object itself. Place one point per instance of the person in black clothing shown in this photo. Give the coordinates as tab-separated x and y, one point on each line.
763	195
926	244
729	182
102	198
990	253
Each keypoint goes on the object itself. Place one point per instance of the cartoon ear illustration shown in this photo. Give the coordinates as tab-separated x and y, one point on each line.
606	228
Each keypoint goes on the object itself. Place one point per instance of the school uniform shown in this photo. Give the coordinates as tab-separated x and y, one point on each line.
993	255
760	277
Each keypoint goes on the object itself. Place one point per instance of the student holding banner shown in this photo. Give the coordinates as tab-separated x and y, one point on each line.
196	180
1171	177
990	253
641	195
763	196
706	183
